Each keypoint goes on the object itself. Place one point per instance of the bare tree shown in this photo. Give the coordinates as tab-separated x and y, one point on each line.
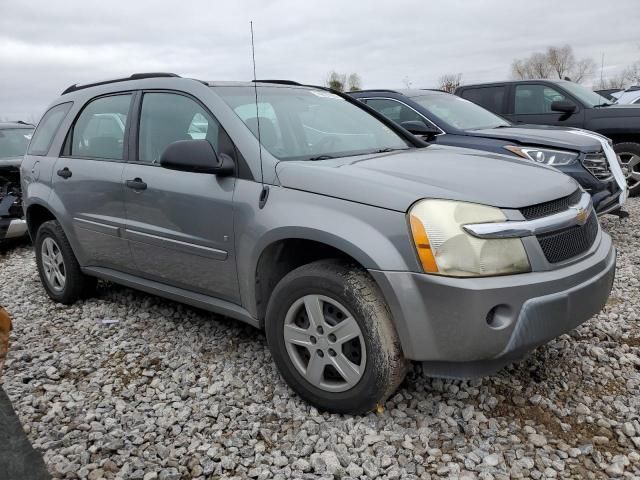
336	81
583	68
632	73
354	82
450	81
556	61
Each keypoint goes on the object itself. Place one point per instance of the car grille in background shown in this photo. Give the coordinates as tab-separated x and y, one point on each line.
549	208
598	165
559	246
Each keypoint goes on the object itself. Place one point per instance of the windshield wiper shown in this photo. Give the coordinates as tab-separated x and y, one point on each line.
389	149
603	105
320	157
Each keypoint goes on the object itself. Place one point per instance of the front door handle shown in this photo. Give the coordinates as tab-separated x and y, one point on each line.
64	173
136	184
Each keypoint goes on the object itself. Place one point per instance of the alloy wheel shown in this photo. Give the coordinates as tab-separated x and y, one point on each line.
630	163
325	343
53	264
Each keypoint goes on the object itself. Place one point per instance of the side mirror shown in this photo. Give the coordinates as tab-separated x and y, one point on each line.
564	106
196	156
420	128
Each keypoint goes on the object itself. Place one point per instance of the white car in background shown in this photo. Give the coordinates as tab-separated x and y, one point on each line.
629	96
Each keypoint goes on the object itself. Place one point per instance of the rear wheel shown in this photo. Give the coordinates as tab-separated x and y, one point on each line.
629	153
59	270
331	336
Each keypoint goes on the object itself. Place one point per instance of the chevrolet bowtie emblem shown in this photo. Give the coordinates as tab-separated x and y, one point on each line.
582	215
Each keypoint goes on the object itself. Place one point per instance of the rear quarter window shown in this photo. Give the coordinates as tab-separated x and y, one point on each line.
491	98
47	129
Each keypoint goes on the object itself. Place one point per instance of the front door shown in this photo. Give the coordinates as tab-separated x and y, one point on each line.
87	179
532	105
180	224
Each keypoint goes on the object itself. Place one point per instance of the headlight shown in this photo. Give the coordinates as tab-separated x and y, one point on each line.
543	155
444	248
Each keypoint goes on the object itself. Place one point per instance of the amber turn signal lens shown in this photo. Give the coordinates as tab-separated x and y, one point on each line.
421	240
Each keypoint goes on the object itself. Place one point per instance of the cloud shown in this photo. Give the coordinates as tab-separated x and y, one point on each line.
46	46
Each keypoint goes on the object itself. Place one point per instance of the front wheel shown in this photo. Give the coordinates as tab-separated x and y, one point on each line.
629	154
331	336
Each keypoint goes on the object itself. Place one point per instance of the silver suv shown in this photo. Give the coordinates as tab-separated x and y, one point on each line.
357	247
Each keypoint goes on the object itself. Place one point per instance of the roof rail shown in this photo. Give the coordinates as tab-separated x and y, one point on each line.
375	90
279	82
136	76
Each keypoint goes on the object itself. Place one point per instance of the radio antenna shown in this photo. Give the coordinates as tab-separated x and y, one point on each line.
264	193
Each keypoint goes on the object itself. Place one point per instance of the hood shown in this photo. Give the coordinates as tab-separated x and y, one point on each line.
541	135
396	180
617	110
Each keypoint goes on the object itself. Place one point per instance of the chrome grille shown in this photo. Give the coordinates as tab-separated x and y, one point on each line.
559	246
549	208
598	165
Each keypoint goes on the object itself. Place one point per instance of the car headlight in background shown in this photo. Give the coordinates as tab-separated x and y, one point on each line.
444	248
545	156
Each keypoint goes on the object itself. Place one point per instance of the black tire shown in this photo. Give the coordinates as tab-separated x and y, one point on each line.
626	151
354	289
76	285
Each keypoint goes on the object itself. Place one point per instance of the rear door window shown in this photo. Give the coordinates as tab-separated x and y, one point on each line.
99	130
47	129
491	98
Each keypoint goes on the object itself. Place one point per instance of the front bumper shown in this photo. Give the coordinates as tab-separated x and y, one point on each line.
444	321
606	194
12	228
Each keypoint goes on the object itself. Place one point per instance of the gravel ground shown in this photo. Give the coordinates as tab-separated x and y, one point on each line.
172	392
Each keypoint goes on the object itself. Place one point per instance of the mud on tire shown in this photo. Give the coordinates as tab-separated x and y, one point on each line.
342	289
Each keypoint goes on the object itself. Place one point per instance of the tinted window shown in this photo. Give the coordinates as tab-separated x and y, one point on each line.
14	141
394	110
47	129
99	130
535	99
167	118
491	98
306	123
458	112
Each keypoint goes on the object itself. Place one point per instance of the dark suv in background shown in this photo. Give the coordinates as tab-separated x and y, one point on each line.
444	119
14	138
559	102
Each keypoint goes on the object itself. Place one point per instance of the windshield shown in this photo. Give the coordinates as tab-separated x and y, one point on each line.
309	124
460	113
585	95
14	141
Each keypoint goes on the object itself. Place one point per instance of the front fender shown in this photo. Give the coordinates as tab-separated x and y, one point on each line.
375	237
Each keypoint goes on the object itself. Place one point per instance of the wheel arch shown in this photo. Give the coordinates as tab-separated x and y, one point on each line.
280	254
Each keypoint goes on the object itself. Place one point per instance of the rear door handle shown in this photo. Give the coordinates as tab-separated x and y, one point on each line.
136	184
64	173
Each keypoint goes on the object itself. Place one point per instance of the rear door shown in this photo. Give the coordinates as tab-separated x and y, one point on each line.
494	97
87	180
180	224
531	103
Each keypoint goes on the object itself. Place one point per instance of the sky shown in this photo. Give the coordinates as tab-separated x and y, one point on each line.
47	45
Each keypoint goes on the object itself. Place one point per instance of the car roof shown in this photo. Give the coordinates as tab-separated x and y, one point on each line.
515	82
18	124
407	92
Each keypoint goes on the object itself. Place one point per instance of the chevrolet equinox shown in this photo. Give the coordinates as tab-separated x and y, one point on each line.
296	209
